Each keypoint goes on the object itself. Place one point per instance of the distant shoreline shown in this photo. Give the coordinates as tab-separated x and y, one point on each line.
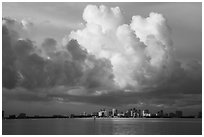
100	118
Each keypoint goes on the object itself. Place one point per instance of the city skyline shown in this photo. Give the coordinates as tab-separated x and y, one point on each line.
111	113
77	57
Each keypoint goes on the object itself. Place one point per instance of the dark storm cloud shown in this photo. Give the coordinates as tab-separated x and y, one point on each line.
34	67
32	71
49	46
13	49
151	99
77	53
22	94
9	74
182	91
186	78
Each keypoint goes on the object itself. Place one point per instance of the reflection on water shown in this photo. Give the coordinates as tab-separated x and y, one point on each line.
102	126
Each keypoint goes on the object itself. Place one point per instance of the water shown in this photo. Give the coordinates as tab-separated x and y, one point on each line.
102	126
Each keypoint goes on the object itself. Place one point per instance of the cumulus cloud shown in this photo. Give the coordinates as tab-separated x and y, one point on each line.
140	52
12	49
154	25
48	65
107	62
49	46
18	29
102	16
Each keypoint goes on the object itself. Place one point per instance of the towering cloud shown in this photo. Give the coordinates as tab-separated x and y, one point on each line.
107	62
140	52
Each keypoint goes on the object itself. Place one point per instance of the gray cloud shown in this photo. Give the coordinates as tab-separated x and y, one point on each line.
52	72
9	74
49	65
49	46
153	100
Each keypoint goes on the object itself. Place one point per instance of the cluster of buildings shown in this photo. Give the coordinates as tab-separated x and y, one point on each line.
112	113
21	115
137	113
115	113
24	116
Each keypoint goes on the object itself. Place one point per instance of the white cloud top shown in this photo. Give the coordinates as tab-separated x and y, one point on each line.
140	52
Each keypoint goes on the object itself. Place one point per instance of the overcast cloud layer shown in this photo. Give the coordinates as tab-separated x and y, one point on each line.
107	63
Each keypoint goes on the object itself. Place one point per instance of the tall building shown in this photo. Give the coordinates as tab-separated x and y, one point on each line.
128	113
161	113
139	113
100	113
145	113
131	113
114	112
134	112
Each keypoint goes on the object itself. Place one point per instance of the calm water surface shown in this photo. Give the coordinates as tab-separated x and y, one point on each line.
102	126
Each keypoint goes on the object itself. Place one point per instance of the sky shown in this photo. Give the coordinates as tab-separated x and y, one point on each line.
62	58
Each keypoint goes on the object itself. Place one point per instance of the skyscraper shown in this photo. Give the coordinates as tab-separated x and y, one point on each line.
114	112
139	113
145	113
131	112
100	113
